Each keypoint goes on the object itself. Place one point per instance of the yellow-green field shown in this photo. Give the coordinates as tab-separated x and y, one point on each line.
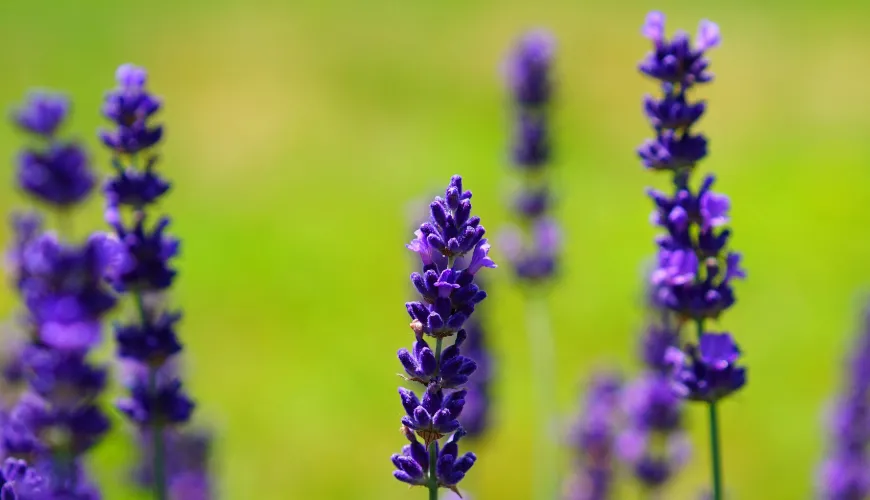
298	132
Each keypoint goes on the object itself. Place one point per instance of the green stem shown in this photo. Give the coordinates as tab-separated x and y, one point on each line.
541	348
158	443
433	452
159	463
715	453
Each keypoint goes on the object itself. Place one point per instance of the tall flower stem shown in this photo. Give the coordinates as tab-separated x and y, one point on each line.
715	453
433	452
159	457
541	348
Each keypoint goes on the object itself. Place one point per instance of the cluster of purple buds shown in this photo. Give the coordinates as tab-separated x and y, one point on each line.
452	251
533	248
593	439
147	342
57	419
695	269
845	473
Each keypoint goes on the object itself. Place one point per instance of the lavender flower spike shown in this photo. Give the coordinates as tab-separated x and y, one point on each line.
57	418
593	440
149	342
452	251
533	247
695	269
845	472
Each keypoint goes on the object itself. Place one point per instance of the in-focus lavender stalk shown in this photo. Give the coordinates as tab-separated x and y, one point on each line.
695	270
845	473
593	439
57	418
533	246
148	341
453	250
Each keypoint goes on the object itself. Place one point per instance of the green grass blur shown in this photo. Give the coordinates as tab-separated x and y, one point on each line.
298	133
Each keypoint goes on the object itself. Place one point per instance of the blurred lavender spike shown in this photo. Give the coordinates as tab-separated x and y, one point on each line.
157	404
845	472
57	418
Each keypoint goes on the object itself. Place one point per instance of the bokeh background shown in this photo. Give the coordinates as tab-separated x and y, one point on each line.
299	132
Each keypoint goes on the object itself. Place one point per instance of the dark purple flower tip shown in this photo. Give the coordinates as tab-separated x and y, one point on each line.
60	175
151	343
451	232
531	145
130	106
672	112
135	188
144	261
42	113
672	152
167	405
677	61
529	67
708	372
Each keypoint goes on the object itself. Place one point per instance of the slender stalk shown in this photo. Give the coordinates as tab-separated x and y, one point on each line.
158	443
541	348
715	452
433	452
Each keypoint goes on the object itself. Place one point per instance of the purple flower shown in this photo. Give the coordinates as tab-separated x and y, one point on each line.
676	61
528	68
160	404
672	111
843	475
18	481
38	428
151	343
64	291
144	258
63	378
655	344
42	114
60	175
452	251
672	152
434	416
533	251
531	141
593	438
130	106
135	188
654	414
708	371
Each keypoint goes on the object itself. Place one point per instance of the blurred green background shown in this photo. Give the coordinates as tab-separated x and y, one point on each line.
298	132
